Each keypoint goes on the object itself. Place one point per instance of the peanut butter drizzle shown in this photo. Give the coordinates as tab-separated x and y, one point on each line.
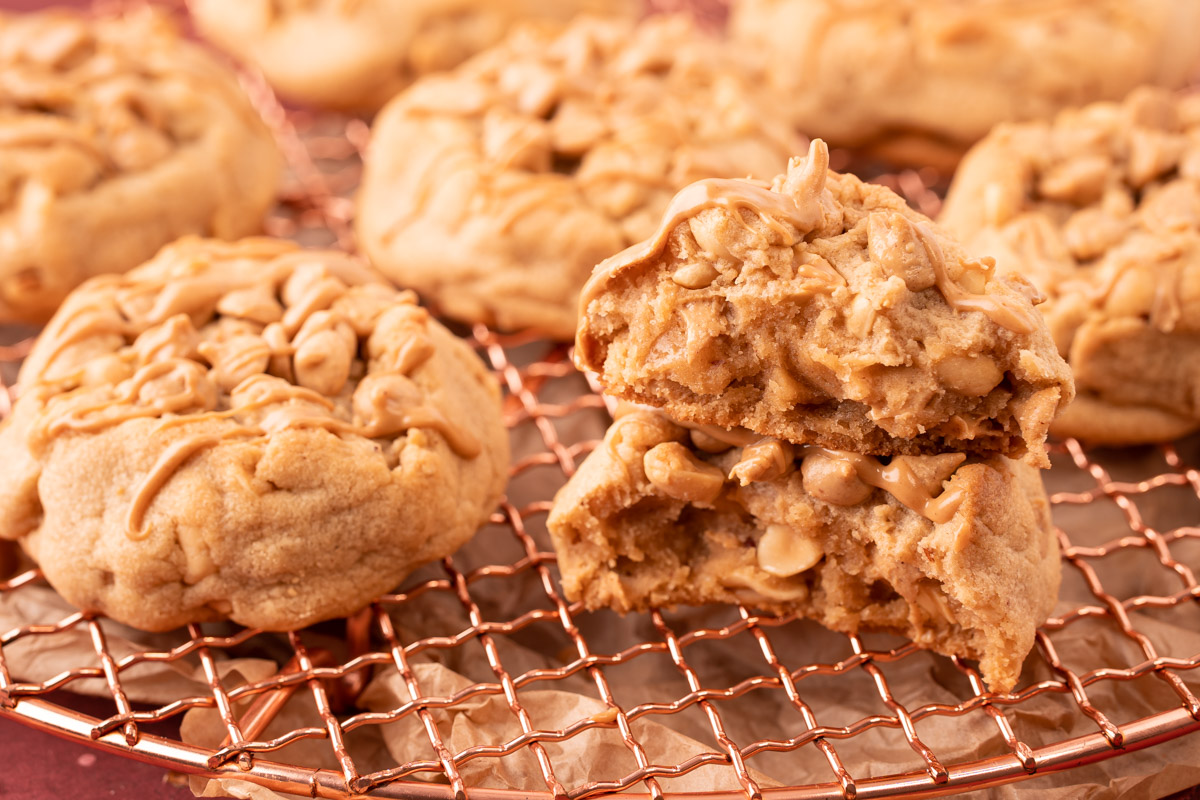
460	441
801	211
84	325
1004	311
734	437
387	422
896	478
168	462
77	420
284	418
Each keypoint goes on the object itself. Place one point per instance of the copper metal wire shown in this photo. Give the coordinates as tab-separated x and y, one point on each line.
323	153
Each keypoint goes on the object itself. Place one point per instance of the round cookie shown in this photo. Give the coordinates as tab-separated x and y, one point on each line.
1101	209
356	54
495	189
116	137
918	81
246	430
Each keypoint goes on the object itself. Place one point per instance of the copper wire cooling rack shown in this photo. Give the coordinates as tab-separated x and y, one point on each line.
1130	547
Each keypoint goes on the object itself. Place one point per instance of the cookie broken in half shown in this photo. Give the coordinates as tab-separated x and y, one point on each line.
955	552
822	310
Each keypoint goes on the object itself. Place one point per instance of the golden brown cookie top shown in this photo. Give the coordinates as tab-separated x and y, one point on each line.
824	311
84	99
496	188
1102	203
259	332
626	110
246	430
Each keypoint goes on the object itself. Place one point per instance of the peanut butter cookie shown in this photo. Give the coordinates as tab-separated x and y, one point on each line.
246	430
822	310
356	54
1101	210
116	137
919	81
495	189
954	552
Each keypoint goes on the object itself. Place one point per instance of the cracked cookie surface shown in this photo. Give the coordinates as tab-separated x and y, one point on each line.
116	137
1100	208
954	552
495	189
822	310
248	431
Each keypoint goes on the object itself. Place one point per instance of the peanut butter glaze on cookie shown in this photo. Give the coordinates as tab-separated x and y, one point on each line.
495	189
315	316
793	211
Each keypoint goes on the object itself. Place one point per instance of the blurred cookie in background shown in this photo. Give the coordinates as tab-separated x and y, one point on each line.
356	54
496	188
919	82
1101	209
116	137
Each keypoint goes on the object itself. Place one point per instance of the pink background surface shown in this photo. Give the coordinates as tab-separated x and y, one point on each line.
38	766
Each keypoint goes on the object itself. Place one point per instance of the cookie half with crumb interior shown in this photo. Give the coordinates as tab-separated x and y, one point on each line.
953	551
249	431
822	310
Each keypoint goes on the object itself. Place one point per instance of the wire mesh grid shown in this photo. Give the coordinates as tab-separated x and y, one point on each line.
1135	565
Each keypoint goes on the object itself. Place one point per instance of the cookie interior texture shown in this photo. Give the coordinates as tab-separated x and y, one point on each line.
246	430
357	55
956	553
918	81
1100	208
495	189
116	137
823	311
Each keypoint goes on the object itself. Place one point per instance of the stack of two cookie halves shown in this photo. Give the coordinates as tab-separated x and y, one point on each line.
837	413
